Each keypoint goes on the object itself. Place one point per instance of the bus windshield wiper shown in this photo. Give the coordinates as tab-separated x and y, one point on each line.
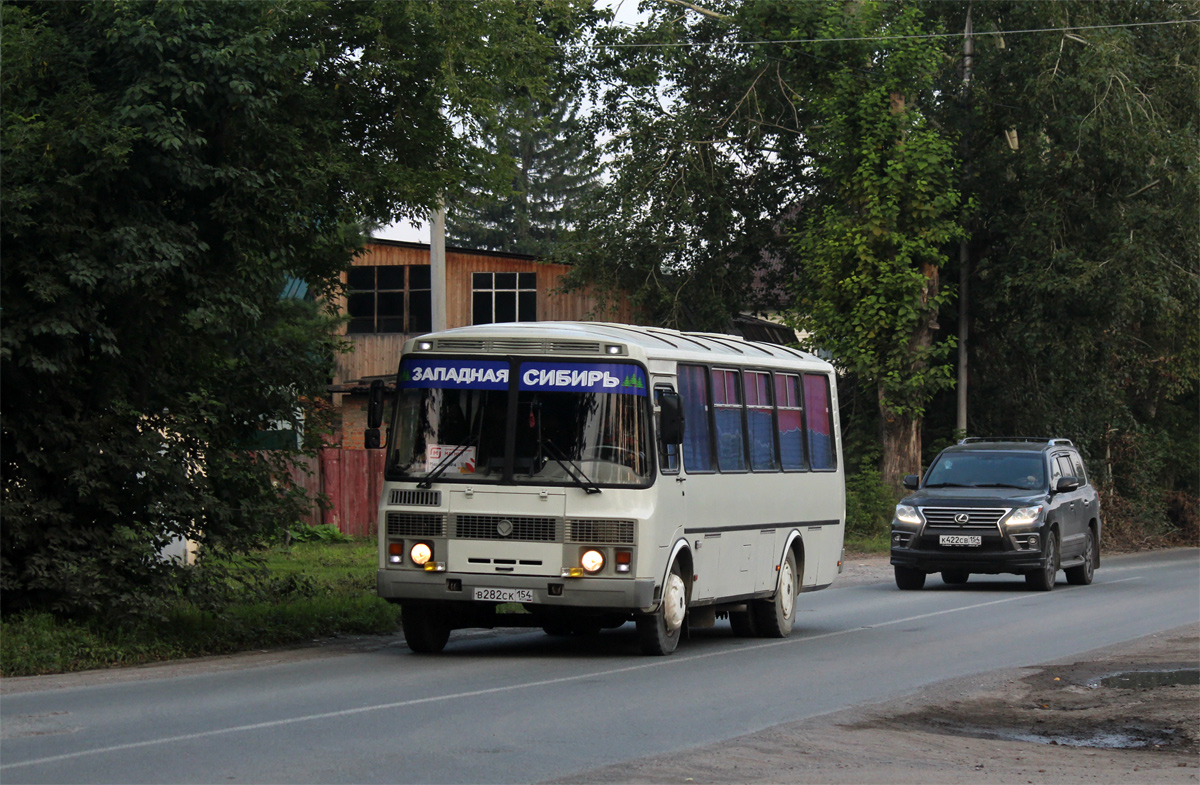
571	468
445	463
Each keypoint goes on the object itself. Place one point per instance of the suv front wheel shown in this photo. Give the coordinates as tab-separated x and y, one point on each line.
1042	579
908	578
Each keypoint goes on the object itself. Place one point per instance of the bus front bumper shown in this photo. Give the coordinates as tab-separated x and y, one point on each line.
624	593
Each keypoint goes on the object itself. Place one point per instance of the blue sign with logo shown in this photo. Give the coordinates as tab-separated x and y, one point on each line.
582	377
453	374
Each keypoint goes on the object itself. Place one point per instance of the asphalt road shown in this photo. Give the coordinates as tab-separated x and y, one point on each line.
522	707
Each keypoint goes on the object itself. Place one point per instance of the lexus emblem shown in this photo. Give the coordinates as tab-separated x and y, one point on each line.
962	518
504	527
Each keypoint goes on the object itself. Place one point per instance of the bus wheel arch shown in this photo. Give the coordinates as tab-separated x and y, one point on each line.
775	617
660	630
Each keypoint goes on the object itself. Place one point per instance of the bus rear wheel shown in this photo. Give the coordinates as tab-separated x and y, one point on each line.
658	632
774	618
426	628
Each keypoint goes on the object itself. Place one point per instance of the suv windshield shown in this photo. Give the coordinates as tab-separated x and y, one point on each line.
988	470
576	423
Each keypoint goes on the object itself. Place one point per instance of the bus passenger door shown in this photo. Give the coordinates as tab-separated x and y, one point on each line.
670	512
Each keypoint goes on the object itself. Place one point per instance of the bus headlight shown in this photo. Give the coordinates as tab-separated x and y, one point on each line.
420	554
1023	516
395	552
592	560
907	514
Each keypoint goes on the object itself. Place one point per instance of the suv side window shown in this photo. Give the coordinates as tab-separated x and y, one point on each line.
1055	472
1080	472
1063	467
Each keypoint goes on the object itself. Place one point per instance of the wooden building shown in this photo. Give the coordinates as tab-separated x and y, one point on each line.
388	302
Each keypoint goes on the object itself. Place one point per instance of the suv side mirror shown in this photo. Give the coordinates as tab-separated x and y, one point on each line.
1066	484
670	423
912	481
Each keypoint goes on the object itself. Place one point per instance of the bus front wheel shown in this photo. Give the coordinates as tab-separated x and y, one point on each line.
774	618
658	632
426	628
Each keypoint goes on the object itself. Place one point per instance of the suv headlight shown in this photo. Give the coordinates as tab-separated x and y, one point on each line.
1023	516
908	514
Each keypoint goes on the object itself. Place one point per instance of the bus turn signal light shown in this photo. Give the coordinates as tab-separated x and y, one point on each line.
624	558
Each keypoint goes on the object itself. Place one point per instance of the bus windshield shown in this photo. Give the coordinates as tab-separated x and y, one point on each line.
576	423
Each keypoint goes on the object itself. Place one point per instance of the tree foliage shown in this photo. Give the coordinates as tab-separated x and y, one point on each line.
554	174
872	240
166	166
701	142
1086	253
1076	184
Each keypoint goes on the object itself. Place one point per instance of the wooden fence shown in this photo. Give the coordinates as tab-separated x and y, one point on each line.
351	480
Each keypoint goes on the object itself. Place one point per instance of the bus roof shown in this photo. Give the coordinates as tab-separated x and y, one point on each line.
593	339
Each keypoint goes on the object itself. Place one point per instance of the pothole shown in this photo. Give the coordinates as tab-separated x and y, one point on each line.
1134	680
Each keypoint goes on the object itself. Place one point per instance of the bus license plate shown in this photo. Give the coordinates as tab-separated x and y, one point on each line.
960	539
504	595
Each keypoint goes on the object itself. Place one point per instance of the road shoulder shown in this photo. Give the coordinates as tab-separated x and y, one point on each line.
1010	726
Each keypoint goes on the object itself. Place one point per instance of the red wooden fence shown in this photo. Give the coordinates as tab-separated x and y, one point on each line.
351	480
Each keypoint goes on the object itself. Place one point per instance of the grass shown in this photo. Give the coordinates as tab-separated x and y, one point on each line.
312	590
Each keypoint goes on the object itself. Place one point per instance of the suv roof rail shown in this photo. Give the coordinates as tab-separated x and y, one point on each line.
1032	439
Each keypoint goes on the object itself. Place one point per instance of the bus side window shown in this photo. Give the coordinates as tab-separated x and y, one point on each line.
668	454
697	444
790	408
727	412
820	421
759	425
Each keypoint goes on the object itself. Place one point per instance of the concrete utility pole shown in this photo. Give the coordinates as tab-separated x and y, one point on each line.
437	266
964	257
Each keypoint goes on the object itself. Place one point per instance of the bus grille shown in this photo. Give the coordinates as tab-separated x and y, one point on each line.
600	531
416	498
488	527
415	524
977	517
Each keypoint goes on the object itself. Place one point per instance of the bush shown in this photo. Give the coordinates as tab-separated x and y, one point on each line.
869	506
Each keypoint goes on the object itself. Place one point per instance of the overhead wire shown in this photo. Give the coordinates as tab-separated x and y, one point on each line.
851	39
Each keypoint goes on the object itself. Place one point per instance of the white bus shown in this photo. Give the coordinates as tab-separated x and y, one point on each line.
602	473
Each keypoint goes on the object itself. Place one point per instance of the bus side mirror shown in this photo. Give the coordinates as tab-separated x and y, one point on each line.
371	439
670	421
375	404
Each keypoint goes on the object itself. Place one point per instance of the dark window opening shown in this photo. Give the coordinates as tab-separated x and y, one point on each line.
503	297
389	299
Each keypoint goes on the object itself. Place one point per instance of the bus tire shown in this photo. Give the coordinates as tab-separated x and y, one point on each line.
742	623
658	632
426	628
775	617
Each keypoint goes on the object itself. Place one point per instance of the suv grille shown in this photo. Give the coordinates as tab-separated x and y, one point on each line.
487	527
600	531
976	517
415	524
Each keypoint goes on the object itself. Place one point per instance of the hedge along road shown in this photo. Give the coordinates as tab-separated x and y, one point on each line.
522	706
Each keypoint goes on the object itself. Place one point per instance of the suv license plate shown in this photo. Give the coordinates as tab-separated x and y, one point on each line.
505	595
955	539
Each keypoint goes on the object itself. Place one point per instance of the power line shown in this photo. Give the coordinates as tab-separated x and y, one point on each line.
894	37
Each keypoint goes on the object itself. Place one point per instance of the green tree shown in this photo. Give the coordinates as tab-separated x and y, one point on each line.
166	166
872	240
555	172
1086	271
703	148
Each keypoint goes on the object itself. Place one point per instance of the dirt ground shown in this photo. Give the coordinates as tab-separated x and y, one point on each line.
1056	723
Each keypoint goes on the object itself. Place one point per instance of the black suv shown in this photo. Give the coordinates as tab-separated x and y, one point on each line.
1001	505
